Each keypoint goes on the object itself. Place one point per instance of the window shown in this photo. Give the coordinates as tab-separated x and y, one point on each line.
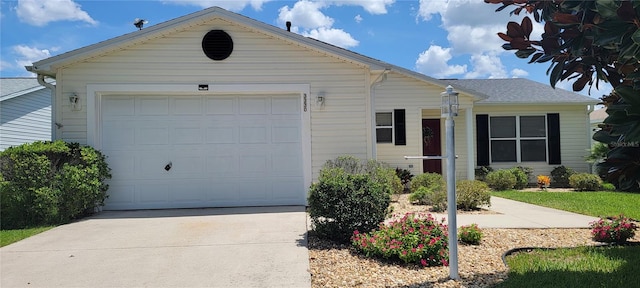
390	127
518	138
384	127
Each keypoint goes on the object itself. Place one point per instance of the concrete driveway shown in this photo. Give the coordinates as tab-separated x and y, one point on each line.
225	247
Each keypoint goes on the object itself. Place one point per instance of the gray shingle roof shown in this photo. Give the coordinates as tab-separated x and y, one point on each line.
519	91
13	87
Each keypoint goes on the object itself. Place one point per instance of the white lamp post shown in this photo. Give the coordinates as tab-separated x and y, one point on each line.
449	109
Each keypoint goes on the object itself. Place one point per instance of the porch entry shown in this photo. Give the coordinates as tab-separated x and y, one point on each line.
431	145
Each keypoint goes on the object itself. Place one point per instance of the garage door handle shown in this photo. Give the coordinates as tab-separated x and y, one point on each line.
168	166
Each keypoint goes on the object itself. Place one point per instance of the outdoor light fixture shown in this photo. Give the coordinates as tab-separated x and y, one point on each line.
74	101
450	107
450	103
320	98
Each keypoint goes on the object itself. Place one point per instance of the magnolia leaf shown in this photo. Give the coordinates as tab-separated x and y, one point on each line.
527	27
556	73
630	95
607	8
636	37
504	37
536	57
604	137
525	53
514	30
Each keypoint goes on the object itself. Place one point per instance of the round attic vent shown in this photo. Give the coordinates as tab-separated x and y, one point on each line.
217	45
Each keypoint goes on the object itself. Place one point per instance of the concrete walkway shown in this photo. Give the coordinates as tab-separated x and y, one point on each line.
514	214
225	247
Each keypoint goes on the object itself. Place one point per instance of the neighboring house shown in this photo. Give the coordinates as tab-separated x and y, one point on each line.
25	112
596	118
217	109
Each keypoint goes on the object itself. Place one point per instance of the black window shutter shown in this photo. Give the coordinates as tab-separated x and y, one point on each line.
553	138
399	127
482	140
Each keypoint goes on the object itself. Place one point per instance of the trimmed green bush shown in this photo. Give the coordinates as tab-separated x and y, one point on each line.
585	182
433	181
560	177
470	234
482	171
378	171
471	194
342	202
608	186
522	180
50	183
425	196
501	180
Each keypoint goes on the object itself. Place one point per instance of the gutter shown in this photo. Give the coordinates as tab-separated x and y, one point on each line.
51	87
381	78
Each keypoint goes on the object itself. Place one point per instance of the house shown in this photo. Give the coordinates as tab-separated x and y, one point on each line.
25	112
217	109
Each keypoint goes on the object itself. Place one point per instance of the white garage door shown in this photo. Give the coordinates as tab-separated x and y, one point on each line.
203	151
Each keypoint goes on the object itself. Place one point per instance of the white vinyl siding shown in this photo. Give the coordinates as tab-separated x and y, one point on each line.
574	138
257	59
25	119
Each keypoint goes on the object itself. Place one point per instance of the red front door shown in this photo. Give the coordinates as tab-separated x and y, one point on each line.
431	145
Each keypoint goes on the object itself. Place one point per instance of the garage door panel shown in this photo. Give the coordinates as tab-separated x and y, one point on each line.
231	150
152	105
220	105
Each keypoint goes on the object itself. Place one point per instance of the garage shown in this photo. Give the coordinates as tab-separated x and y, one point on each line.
214	150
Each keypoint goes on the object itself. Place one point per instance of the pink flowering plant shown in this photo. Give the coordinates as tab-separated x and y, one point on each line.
614	230
470	234
414	238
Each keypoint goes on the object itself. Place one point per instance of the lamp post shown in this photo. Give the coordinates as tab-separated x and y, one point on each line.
449	110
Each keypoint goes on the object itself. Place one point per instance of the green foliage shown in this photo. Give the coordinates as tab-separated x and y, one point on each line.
341	202
416	238
598	152
608	187
433	181
404	175
48	183
588	42
500	180
378	171
470	234
425	196
471	194
482	171
560	177
618	229
522	180
585	182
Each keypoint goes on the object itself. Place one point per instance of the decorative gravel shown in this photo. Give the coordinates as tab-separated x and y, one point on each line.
335	265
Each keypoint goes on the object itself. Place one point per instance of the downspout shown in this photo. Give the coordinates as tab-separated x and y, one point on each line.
53	100
590	109
381	78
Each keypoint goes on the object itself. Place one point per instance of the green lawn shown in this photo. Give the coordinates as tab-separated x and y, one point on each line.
598	204
611	266
10	236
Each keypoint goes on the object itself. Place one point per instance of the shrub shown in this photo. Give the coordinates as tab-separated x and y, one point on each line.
470	234
560	176
433	181
340	203
585	182
501	180
615	230
527	170
608	186
471	194
378	171
412	239
405	176
49	183
425	196
522	180
482	171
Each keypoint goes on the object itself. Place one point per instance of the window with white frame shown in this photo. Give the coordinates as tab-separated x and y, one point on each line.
518	138
384	127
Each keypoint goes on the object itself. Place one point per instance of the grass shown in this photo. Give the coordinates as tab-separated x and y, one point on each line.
608	266
597	204
11	236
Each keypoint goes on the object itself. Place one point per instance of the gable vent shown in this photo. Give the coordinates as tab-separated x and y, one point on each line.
217	45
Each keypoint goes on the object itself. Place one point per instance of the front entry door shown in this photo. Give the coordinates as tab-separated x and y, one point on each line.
431	145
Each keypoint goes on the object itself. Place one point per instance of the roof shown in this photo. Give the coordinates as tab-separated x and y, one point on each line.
14	87
49	66
519	91
597	116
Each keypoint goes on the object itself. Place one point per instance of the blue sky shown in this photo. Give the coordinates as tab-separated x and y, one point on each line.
439	38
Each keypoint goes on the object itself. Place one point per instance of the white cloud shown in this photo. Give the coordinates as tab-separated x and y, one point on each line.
371	6
428	8
305	14
335	36
486	66
233	5
4	65
433	62
27	55
358	18
518	73
41	12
